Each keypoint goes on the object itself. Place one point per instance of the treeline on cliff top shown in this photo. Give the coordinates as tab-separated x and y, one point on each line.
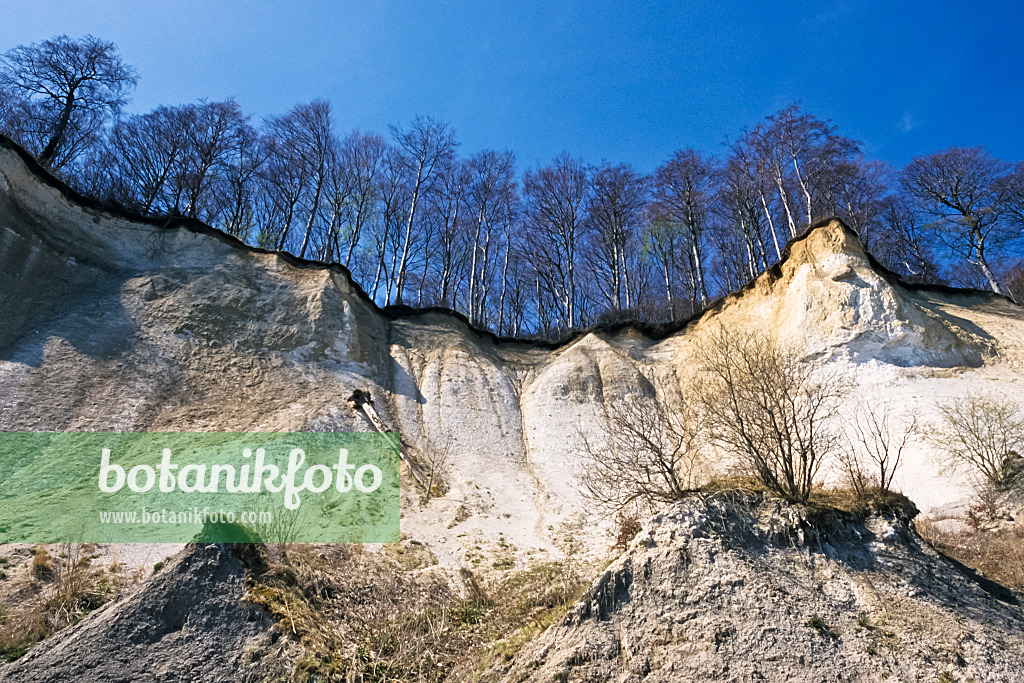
534	252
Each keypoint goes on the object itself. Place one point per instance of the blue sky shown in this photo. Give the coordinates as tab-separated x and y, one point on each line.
620	81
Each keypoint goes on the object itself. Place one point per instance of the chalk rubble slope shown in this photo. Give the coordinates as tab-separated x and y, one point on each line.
188	623
746	589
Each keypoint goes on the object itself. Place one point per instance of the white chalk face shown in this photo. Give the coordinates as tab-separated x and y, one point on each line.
123	326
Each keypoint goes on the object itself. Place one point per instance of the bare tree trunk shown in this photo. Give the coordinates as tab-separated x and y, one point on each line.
785	203
504	282
771	224
356	228
625	280
313	211
982	262
699	273
668	289
404	263
58	132
803	186
472	267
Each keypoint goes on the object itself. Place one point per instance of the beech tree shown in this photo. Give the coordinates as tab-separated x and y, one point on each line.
615	211
751	157
856	193
813	151
359	165
960	189
683	192
386	233
490	197
555	199
236	193
213	133
425	147
447	215
1012	188
902	243
145	153
738	205
300	144
70	89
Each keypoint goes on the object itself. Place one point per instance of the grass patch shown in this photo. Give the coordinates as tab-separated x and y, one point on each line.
359	616
872	501
819	625
68	588
996	554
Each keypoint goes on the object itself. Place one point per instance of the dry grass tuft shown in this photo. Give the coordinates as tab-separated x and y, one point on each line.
358	616
997	554
65	587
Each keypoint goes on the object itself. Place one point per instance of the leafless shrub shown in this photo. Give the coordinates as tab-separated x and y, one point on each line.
876	441
987	507
435	459
648	456
627	526
771	410
983	437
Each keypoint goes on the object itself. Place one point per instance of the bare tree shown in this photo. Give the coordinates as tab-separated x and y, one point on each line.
960	188
555	199
773	411
387	229
72	87
144	154
1013	191
856	192
447	214
809	151
684	187
903	243
213	133
490	195
284	182
649	456
876	441
616	212
426	146
362	155
510	222
755	157
984	436
237	188
738	204
309	131
666	241
300	144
